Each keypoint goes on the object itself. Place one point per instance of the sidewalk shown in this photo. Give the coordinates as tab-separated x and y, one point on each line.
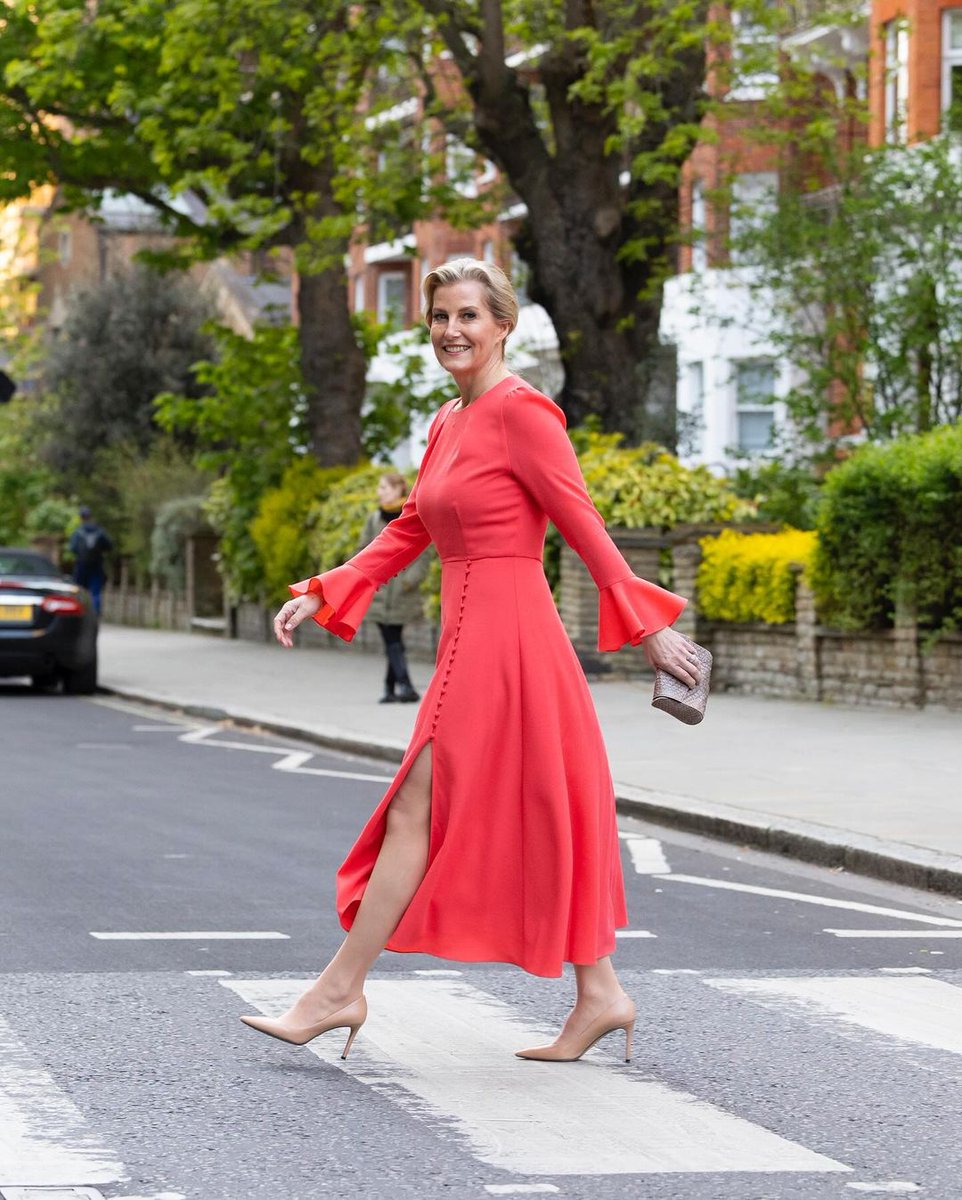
876	791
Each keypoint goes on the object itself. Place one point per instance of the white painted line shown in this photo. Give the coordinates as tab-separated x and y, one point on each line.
906	970
925	934
178	856
674	971
156	728
634	933
57	1193
208	972
291	760
647	856
192	936
511	1189
912	1009
805	898
443	1049
893	1185
437	972
44	1139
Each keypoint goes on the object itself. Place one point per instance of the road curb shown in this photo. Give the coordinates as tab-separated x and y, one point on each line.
895	862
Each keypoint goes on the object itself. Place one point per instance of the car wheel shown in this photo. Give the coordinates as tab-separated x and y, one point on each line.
45	682
82	681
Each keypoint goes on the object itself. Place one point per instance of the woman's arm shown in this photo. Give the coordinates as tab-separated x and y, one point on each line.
543	460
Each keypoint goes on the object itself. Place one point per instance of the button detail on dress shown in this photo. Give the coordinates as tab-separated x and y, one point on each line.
454	646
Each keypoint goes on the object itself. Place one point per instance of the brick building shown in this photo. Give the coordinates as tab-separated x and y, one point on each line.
730	375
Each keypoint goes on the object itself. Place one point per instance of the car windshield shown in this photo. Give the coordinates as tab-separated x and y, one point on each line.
21	562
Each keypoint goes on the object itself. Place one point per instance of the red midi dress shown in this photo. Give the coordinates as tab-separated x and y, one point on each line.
523	865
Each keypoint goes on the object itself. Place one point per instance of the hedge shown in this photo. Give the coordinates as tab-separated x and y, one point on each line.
749	576
890	534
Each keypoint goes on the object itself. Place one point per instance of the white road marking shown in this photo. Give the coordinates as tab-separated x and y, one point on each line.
634	933
291	760
156	728
208	972
674	971
892	1185
44	1140
906	970
895	933
805	898
66	1193
510	1189
912	1009
438	972
647	855
445	1048
192	935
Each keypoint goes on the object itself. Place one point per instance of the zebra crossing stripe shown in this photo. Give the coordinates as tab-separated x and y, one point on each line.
442	1047
44	1140
912	1008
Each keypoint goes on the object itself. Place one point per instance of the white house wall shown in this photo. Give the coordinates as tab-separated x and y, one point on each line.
711	318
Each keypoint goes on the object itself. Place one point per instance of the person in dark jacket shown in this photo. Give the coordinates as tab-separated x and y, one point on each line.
88	545
398	603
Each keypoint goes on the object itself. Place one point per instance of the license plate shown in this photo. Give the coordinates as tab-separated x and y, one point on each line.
15	612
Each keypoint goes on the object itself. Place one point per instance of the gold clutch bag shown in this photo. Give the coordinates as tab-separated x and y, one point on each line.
677	698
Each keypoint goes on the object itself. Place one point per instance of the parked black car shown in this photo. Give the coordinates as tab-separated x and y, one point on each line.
48	626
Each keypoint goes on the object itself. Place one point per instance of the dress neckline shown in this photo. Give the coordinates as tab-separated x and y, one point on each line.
508	379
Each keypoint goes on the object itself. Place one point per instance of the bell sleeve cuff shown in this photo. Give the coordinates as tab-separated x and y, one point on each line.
346	594
631	609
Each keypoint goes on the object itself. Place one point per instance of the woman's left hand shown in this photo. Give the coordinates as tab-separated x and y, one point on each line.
671	651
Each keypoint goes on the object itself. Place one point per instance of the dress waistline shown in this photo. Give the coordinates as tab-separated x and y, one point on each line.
469	558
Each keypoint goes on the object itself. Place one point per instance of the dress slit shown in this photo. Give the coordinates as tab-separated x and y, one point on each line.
376	828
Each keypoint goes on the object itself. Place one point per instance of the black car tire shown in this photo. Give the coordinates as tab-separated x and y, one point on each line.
82	681
45	682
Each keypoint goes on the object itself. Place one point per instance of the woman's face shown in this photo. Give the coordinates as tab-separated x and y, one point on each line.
388	492
465	336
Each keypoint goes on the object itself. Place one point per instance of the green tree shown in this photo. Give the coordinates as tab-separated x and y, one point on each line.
856	277
590	111
122	342
261	118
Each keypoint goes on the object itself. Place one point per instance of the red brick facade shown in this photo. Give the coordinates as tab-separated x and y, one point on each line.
924	22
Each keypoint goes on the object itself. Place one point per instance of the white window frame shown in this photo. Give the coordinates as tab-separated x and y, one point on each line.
695	405
739	407
896	67
950	57
458	155
359	293
383	312
747	33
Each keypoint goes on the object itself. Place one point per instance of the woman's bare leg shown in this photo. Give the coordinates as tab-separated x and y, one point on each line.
598	988
397	873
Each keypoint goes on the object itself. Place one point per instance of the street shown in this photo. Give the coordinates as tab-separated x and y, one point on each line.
799	1032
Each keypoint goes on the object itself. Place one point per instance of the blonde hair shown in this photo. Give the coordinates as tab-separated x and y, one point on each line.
498	292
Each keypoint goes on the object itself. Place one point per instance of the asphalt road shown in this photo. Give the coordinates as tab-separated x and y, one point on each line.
788	1045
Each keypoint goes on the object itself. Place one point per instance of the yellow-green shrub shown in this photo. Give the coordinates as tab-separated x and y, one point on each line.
645	487
337	522
749	576
281	530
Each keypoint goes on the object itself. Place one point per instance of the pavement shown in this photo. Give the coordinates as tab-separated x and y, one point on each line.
874	791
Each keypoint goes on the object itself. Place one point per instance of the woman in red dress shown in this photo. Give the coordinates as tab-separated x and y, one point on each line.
497	840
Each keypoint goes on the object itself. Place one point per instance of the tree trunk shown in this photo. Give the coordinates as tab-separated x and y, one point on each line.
333	367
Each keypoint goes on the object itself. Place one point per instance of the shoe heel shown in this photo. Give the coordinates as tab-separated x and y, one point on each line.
629	1038
350	1040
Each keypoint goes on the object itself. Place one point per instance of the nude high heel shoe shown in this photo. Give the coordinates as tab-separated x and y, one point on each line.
620	1015
352	1016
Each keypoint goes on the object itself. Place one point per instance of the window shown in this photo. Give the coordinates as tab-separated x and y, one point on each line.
461	164
359	293
699	246
392	292
896	79
952	68
487	251
753	201
754	392
694	417
754	51
64	247
519	277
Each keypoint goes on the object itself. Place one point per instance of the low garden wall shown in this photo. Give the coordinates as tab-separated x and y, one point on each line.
800	660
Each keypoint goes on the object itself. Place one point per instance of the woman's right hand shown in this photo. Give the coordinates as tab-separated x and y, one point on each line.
291	614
